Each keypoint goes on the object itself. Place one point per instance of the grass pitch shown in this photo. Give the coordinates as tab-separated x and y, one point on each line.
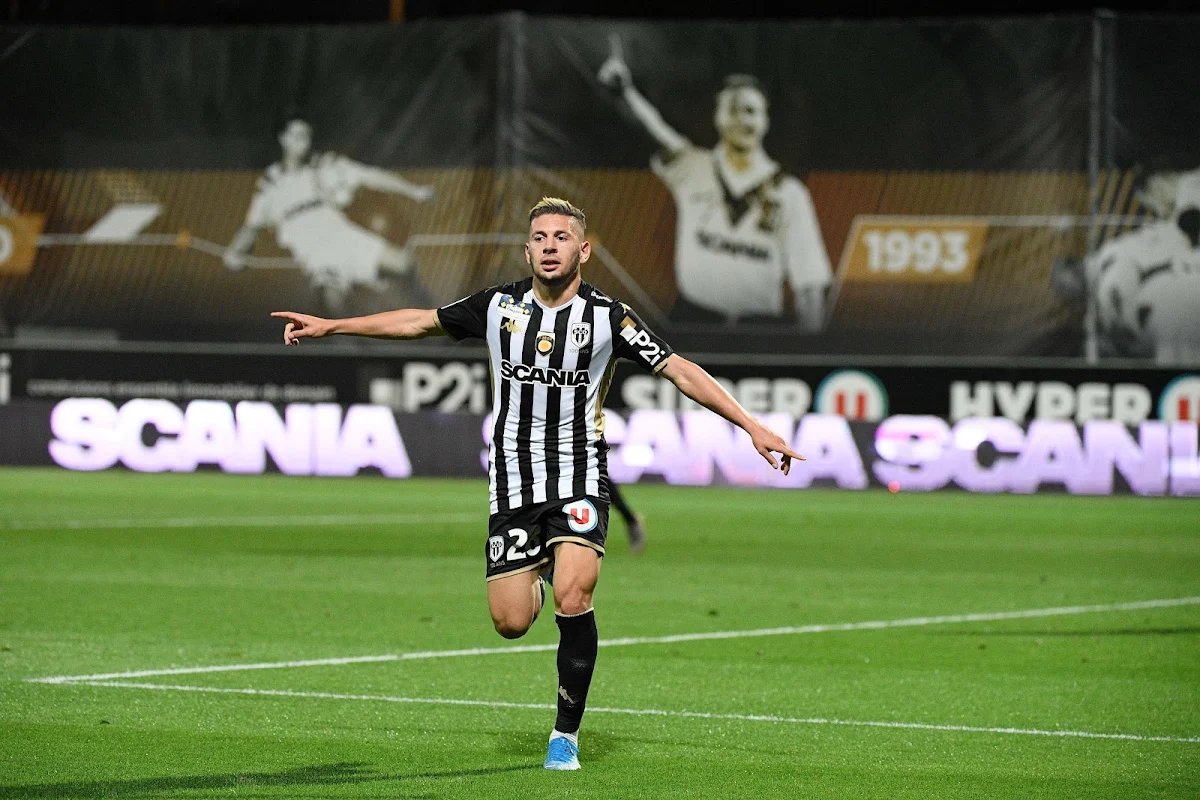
117	572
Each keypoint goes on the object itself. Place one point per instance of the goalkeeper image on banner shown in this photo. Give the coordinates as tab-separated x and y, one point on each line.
303	198
553	341
743	226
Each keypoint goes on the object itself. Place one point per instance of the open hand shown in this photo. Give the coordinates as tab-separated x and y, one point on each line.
234	260
767	442
302	325
614	73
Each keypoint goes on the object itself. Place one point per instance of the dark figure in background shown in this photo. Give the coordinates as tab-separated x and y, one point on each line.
633	522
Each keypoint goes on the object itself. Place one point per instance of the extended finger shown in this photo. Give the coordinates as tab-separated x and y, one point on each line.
790	453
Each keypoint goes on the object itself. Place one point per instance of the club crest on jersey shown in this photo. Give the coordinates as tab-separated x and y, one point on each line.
581	334
495	548
545	343
581	516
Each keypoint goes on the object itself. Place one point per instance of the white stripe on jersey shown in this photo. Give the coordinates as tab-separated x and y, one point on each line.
566	410
537	434
512	422
493	343
602	331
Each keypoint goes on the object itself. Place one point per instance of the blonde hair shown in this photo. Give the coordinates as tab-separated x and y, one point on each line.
556	205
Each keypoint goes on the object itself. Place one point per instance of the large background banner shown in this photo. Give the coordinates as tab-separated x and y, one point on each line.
1005	188
901	452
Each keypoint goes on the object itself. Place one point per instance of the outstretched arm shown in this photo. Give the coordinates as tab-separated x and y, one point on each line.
693	381
405	323
240	247
615	74
810	308
385	181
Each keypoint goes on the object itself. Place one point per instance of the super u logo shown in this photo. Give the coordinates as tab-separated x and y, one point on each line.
1180	401
853	394
581	516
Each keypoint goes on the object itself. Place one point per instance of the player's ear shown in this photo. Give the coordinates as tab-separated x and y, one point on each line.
528	255
585	251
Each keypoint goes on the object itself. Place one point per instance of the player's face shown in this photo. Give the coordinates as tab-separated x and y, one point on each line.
555	249
296	139
741	118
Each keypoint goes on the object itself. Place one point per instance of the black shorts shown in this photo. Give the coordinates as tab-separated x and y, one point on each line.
523	539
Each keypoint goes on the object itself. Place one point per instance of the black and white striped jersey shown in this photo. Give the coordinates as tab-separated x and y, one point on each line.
550	368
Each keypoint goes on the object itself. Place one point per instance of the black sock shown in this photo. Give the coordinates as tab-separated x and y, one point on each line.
618	502
577	646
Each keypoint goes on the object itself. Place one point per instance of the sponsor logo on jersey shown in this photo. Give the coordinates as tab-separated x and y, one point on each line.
512	309
495	548
581	516
548	376
545	343
1180	401
713	241
510	325
581	333
853	394
641	340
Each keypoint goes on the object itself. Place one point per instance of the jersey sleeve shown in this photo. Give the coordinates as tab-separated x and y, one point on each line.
675	169
634	341
466	318
806	261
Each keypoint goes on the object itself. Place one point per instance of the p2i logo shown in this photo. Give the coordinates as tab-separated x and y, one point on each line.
641	340
581	516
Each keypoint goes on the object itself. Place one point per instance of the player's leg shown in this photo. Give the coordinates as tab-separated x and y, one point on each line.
577	532
576	571
515	602
633	521
516	553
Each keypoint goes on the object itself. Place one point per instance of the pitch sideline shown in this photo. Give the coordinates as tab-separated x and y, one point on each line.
640	640
655	712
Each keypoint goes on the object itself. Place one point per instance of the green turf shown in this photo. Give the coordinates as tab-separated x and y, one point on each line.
86	600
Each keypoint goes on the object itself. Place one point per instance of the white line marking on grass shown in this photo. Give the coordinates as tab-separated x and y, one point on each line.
236	522
909	622
651	712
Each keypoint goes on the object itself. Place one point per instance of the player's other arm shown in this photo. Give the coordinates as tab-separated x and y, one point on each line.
696	383
405	323
243	241
240	247
808	265
614	73
385	181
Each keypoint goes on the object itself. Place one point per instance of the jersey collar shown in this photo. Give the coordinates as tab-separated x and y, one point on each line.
762	169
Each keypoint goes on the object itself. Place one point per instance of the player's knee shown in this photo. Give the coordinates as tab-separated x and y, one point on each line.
509	626
572	600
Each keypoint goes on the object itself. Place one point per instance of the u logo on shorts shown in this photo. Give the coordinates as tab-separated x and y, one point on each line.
581	516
